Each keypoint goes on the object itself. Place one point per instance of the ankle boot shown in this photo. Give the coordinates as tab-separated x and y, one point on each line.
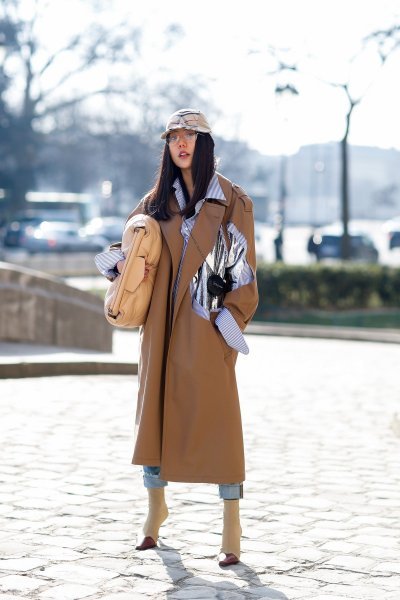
156	516
230	549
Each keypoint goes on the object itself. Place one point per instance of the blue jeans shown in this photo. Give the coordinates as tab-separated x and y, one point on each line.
227	491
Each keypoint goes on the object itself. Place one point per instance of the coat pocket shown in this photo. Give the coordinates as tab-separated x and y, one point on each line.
227	350
209	324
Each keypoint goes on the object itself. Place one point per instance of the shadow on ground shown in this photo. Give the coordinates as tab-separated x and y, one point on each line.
217	584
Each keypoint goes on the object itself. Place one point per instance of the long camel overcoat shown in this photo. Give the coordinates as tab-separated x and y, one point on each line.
188	418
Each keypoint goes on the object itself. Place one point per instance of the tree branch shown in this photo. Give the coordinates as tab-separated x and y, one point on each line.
77	100
386	40
90	55
71	46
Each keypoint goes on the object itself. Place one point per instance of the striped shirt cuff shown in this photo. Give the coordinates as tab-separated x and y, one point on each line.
106	261
231	331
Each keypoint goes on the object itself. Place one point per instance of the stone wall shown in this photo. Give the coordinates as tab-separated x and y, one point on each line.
61	264
42	309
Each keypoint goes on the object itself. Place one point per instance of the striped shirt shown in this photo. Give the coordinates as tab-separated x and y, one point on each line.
235	259
107	261
225	322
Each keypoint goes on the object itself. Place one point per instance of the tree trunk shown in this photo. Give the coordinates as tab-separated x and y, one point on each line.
344	191
25	149
279	239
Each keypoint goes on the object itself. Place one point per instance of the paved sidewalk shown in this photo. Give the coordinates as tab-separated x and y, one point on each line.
321	510
362	334
33	360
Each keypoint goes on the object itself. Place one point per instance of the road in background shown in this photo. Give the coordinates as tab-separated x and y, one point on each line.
294	251
79	270
296	238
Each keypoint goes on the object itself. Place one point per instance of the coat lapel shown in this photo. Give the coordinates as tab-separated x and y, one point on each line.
205	233
171	230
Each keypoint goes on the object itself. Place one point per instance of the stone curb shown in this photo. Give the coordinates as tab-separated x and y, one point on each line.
387	336
15	370
45	368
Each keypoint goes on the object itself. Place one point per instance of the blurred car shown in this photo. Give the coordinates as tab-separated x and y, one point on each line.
16	231
392	229
326	243
109	227
38	215
59	236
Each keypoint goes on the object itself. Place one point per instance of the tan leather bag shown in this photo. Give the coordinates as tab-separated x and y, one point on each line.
127	299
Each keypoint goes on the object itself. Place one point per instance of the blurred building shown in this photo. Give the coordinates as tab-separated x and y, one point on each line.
313	184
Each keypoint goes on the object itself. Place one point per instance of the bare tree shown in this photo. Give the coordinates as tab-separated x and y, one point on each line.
385	42
385	46
32	63
344	172
7	40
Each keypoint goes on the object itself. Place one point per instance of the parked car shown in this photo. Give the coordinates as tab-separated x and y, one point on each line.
58	236
108	227
16	231
326	243
392	229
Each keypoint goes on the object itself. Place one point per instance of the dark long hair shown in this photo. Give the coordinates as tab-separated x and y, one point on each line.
203	168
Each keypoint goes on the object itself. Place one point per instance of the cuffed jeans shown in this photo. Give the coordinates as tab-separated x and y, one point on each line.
227	491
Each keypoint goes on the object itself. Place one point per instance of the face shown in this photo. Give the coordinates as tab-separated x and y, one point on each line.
181	143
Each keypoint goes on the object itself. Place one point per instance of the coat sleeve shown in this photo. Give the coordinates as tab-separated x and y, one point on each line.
106	262
242	301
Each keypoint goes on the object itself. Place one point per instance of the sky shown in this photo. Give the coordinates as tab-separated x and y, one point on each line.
226	43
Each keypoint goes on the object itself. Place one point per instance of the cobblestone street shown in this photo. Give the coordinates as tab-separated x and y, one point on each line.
321	507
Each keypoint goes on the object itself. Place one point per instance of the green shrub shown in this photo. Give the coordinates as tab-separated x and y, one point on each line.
326	287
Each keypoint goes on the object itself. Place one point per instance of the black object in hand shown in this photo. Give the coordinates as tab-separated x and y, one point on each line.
215	285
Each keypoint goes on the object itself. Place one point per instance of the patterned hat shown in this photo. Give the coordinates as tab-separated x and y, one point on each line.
187	118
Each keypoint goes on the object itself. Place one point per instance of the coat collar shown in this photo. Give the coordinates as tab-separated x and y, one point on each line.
214	192
171	230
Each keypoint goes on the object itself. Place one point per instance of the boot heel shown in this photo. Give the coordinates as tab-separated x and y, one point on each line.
146	544
226	560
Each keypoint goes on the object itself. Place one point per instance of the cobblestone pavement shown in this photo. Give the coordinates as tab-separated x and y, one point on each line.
321	511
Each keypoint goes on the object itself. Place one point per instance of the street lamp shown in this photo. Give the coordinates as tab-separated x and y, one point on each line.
3	52
106	193
284	94
3	47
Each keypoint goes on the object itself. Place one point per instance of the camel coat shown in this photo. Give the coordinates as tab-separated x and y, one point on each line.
188	418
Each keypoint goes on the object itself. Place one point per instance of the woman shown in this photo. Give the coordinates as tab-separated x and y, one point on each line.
188	423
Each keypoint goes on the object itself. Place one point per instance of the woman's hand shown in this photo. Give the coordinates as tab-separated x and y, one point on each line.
120	265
